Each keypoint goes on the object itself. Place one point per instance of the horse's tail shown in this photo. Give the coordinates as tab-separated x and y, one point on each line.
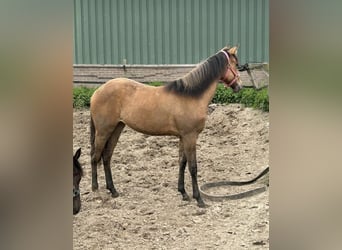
92	137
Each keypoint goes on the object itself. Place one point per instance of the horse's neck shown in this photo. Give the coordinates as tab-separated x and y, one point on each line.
208	95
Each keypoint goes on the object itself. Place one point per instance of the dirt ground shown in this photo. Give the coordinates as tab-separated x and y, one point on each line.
150	214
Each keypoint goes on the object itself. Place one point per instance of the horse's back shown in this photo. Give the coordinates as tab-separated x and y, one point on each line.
113	91
117	84
118	97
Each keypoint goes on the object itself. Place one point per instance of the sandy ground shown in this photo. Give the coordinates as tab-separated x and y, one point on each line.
150	214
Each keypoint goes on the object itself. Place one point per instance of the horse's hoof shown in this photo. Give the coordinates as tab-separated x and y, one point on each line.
94	187
186	197
115	194
201	204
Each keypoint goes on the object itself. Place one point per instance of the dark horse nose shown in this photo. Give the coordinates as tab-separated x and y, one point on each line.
237	88
76	205
76	210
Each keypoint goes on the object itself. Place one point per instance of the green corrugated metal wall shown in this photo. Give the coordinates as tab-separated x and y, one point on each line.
168	31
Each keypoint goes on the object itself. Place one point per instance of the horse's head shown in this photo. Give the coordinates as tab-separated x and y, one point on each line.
231	77
77	175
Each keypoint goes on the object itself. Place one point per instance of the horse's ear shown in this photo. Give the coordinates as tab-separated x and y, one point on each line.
225	48
77	154
233	50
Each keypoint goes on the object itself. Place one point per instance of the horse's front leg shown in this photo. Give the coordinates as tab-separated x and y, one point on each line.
190	152
182	165
193	171
94	183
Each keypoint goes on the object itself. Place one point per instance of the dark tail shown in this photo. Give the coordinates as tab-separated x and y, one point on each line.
92	137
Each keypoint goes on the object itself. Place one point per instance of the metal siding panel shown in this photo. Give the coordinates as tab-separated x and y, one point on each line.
136	34
150	32
144	32
210	27
259	32
129	32
158	31
155	38
168	31
230	18
243	32
78	42
162	31
187	26
196	32
204	29
234	27
211	34
74	33
121	28
266	31
263	42
106	32
174	33
180	22
238	20
251	31
85	33
231	22
96	33
217	26
255	31
223	17
99	32
114	38
93	50
220	26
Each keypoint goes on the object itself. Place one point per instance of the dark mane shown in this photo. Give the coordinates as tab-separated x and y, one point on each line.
77	166
197	81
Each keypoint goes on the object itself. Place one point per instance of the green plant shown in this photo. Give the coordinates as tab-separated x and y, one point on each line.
81	96
156	84
262	100
247	96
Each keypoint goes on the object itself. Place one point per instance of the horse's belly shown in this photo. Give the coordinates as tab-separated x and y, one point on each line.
153	128
150	122
148	131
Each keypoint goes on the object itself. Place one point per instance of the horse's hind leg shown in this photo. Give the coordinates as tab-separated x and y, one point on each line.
190	153
182	165
107	156
98	140
96	152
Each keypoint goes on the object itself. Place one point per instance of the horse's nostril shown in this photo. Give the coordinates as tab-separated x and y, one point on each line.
237	88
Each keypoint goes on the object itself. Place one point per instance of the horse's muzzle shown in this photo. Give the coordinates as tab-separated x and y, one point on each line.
76	204
236	87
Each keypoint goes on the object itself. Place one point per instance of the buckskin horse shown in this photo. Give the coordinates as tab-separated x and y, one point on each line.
178	108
